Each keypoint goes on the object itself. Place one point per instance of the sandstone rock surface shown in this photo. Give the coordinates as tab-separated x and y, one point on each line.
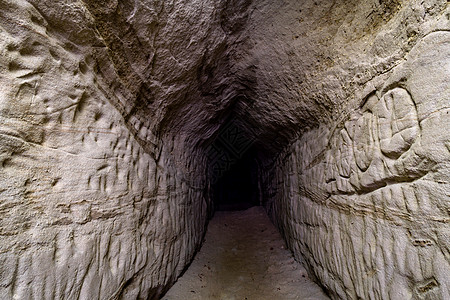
107	109
363	200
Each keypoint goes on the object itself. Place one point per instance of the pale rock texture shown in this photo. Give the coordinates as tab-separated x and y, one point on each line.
107	109
93	203
363	198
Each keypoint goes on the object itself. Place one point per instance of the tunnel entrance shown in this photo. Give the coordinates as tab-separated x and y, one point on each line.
237	188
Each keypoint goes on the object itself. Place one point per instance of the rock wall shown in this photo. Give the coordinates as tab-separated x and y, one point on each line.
107	109
363	199
98	199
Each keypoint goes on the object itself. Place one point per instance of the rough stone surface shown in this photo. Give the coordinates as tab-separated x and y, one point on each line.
363	200
93	204
107	107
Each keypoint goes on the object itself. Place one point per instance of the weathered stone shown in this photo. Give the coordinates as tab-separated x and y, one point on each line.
108	109
390	153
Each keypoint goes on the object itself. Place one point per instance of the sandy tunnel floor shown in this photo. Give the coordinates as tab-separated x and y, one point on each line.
244	257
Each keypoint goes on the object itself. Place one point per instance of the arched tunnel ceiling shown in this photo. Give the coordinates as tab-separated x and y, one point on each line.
281	67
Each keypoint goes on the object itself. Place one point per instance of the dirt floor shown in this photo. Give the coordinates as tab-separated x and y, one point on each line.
244	257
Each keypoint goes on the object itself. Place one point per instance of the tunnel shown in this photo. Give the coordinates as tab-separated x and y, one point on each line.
237	188
135	136
233	162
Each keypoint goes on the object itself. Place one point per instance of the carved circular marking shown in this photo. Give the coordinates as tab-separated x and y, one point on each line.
398	126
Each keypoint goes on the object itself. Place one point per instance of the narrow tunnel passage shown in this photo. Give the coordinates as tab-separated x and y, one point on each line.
243	255
107	109
237	188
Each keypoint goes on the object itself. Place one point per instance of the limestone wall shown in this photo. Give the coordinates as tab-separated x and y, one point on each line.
95	202
364	201
362	194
